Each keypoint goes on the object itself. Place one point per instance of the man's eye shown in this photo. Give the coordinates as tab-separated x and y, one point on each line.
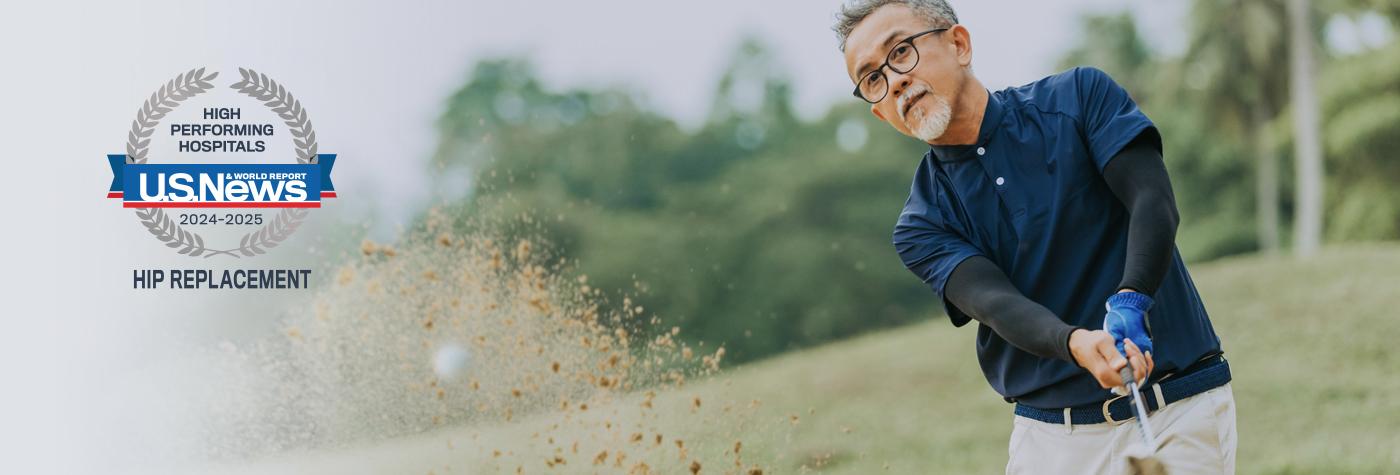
873	78
901	51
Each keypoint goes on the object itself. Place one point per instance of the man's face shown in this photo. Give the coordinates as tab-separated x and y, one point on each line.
918	103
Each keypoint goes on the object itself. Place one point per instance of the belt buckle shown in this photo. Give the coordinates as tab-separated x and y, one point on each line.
1108	417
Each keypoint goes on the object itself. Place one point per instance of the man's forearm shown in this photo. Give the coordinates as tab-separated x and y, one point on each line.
981	290
1138	177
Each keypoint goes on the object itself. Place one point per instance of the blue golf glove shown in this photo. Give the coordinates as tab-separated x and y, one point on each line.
1127	318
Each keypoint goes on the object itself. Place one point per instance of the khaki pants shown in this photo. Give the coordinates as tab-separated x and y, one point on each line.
1196	435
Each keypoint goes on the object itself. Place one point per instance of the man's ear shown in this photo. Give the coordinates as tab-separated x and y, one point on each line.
962	41
876	111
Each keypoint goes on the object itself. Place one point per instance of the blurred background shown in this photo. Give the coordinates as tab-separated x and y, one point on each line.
708	157
764	222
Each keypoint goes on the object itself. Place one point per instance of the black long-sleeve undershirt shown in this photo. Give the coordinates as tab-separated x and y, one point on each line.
981	290
1138	178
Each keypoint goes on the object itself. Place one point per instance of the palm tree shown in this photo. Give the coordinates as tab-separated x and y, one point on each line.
1307	145
1360	114
1232	59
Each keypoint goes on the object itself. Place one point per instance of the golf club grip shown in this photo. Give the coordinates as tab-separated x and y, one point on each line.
1126	374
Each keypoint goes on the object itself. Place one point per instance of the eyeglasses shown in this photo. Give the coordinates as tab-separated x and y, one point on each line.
902	58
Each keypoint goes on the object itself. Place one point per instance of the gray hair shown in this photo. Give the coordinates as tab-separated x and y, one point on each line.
938	13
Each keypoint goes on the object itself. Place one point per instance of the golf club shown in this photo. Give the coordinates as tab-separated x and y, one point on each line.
1139	409
1147	464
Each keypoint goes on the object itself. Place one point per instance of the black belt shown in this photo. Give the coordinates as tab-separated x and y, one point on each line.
1200	377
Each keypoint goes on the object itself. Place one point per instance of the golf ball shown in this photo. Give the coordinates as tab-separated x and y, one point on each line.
451	362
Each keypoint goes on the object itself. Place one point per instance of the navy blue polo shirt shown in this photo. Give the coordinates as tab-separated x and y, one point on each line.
1030	196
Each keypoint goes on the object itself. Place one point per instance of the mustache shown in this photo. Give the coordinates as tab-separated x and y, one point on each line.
902	104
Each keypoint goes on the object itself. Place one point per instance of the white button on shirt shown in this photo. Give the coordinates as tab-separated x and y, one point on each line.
1000	181
981	151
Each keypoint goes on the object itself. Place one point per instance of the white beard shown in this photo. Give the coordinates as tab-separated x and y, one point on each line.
931	125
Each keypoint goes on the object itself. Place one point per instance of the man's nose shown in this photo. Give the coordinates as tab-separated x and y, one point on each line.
899	82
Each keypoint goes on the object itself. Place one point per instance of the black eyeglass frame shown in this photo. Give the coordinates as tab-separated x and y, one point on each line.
910	40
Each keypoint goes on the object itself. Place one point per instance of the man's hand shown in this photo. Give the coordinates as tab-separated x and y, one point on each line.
1127	320
1094	351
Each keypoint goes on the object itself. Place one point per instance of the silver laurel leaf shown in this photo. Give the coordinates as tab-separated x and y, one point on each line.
184	86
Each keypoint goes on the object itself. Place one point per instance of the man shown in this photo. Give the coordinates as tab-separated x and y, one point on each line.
1036	208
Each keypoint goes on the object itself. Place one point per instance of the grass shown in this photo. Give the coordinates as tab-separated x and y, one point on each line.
1312	345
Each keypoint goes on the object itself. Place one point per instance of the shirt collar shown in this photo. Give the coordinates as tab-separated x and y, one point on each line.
991	118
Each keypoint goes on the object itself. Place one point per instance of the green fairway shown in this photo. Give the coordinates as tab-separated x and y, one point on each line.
1310	344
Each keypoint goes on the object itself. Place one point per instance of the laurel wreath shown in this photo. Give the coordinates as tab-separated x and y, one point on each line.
186	85
190	84
276	97
165	229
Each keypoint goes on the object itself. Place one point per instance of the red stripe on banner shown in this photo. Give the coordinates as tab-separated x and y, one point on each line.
221	204
328	194
114	194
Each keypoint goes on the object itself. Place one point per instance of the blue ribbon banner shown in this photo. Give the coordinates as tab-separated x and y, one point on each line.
204	185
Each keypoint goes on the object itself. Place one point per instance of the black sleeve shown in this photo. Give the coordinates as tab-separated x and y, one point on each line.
981	290
1138	177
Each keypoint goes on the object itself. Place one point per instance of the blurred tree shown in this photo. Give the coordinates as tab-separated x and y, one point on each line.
1308	141
1233	61
1205	171
758	231
1230	92
1387	8
763	232
1360	96
1111	42
508	133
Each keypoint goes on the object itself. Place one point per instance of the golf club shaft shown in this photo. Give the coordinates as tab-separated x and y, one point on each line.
1139	409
